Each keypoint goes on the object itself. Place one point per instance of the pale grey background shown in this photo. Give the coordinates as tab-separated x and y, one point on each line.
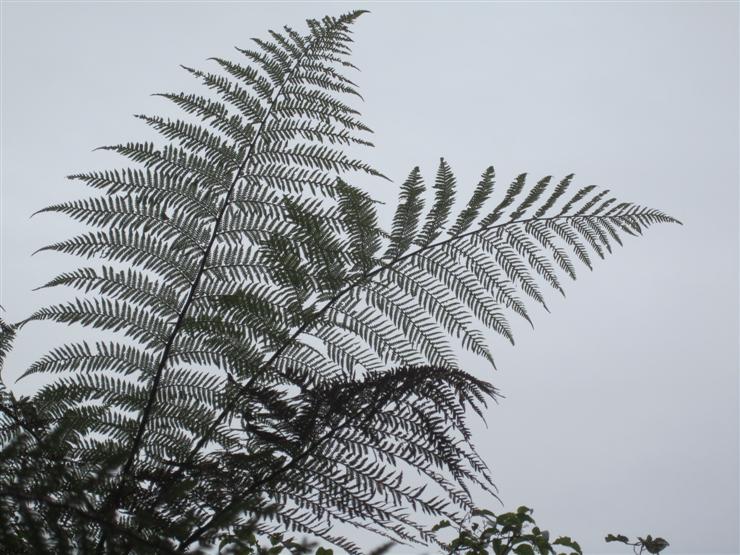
622	406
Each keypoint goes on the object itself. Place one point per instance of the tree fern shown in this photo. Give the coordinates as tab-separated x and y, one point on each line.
283	359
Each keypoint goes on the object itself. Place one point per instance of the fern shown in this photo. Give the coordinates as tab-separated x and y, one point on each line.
283	359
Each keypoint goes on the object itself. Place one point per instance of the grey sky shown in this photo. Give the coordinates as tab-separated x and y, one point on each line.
621	409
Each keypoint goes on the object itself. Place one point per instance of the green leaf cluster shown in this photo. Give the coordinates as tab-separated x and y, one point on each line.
513	533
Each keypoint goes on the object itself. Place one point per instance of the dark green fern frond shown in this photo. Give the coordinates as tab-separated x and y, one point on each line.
227	197
404	310
330	444
417	298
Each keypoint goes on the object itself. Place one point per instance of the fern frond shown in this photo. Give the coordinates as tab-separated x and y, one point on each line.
343	433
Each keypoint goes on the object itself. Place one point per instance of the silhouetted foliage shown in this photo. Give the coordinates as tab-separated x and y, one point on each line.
284	362
508	533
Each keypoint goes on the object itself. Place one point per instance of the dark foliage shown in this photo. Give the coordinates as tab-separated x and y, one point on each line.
284	363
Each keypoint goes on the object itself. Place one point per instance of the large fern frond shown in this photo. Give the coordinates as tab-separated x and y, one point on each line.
473	279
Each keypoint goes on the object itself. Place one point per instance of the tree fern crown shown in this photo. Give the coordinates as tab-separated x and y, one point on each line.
278	348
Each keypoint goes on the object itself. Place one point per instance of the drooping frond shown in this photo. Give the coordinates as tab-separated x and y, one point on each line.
338	452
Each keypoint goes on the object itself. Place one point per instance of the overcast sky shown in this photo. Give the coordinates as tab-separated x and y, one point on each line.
621	408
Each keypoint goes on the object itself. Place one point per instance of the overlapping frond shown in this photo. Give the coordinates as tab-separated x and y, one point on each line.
336	453
282	358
